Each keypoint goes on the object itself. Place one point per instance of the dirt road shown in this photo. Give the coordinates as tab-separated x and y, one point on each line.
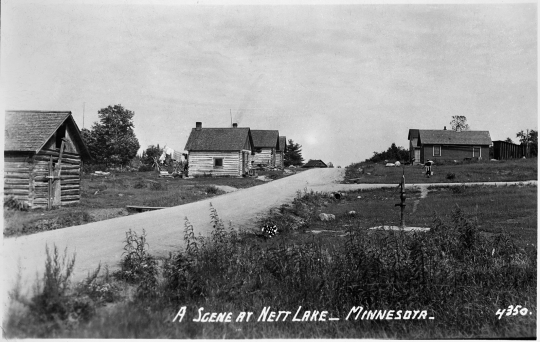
103	241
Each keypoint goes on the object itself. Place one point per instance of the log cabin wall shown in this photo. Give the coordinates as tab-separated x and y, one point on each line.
17	177
263	157
202	163
25	177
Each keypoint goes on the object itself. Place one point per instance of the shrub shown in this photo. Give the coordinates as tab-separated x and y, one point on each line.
211	190
145	168
137	265
13	203
450	176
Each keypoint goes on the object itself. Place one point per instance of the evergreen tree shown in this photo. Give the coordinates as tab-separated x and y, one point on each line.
293	156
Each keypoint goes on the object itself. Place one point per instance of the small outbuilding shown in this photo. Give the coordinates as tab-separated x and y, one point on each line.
219	151
43	154
265	145
447	145
315	163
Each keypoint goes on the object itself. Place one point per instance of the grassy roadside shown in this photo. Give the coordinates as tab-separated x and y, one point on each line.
469	266
460	172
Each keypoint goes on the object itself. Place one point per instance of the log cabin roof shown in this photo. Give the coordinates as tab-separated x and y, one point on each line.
265	138
449	137
282	144
315	163
219	139
29	131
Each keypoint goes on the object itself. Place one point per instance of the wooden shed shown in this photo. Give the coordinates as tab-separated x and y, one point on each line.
280	153
43	151
265	144
219	151
508	150
448	145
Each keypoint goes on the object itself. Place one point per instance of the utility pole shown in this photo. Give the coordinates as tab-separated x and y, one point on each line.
84	103
230	112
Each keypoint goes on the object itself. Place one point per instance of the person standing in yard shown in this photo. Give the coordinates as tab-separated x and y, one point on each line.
428	165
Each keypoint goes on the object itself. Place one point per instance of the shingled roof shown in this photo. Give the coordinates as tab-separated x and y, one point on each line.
218	139
265	138
315	163
29	131
282	143
448	137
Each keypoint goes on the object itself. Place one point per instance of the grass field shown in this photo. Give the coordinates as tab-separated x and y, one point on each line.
479	258
483	171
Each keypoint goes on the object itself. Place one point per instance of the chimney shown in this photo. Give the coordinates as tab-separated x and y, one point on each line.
445	128
198	126
235	125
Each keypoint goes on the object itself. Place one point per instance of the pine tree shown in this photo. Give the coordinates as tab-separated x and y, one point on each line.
293	156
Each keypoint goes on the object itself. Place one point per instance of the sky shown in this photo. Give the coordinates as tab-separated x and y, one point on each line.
343	81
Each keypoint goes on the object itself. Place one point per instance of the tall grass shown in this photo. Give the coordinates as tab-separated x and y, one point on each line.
460	277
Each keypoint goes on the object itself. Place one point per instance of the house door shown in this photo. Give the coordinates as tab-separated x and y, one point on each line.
417	156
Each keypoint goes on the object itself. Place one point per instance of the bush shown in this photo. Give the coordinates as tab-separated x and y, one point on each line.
211	190
12	203
450	176
145	168
137	265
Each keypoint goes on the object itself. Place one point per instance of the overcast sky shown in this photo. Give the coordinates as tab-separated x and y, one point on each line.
341	80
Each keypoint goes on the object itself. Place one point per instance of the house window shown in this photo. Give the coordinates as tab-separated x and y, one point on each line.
476	152
218	162
436	151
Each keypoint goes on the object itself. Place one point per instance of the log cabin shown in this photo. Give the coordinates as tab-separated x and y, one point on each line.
280	153
43	154
447	145
219	151
265	144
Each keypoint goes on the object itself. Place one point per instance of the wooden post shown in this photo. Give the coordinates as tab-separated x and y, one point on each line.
49	187
57	200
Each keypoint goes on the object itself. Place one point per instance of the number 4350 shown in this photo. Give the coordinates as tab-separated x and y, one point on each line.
512	311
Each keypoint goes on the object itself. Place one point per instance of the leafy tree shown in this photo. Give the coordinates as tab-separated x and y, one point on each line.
330	164
508	140
459	123
150	153
394	153
112	140
293	156
529	138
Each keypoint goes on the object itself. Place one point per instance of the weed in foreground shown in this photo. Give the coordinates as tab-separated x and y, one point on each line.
138	266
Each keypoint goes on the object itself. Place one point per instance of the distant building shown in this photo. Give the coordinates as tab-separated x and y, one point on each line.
315	163
508	150
219	151
43	151
265	146
445	144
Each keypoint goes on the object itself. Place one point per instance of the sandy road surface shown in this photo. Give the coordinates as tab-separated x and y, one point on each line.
103	241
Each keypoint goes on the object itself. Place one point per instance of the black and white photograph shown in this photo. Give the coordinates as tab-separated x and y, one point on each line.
269	170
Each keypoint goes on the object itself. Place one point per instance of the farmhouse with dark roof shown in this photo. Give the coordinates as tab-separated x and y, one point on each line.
265	144
42	158
219	151
445	144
